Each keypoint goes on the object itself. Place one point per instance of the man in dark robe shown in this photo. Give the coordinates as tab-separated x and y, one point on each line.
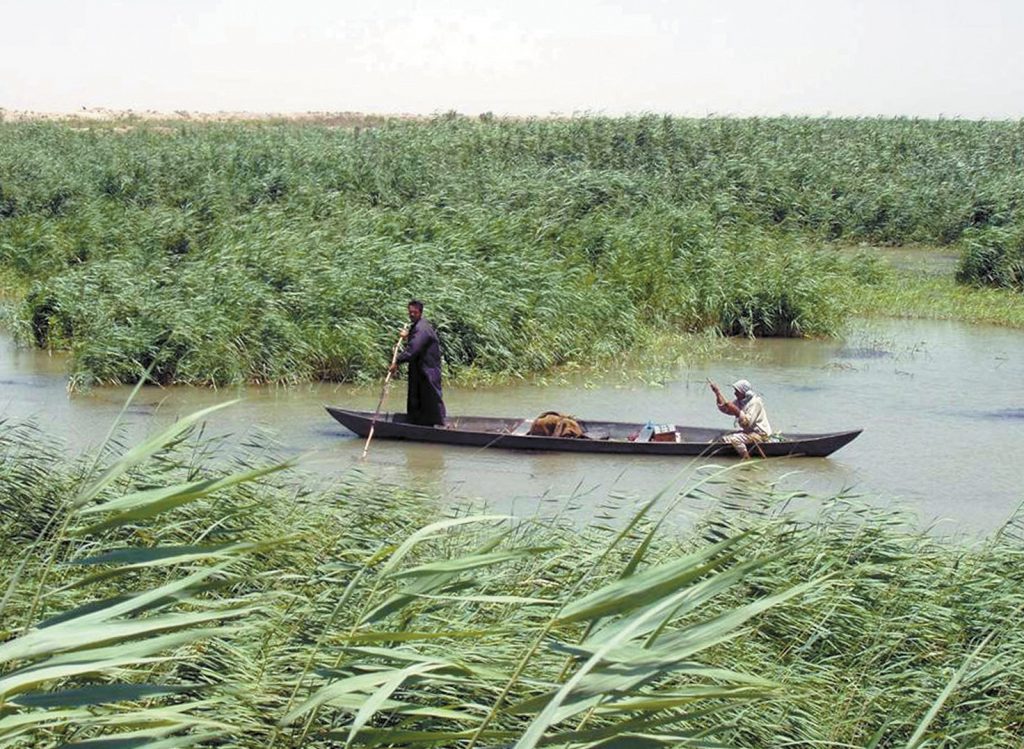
424	404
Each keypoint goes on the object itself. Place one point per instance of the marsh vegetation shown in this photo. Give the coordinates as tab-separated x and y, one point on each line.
221	253
156	594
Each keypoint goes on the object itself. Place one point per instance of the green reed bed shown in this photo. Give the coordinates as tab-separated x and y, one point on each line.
225	253
157	594
914	295
994	256
271	301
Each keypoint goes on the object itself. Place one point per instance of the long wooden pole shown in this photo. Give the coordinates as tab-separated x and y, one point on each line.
383	393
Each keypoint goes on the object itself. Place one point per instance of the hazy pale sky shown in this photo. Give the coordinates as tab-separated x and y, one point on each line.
926	58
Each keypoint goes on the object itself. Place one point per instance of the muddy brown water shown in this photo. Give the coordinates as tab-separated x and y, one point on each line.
941	405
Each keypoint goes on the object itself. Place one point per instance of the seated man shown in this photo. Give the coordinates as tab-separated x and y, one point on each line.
751	417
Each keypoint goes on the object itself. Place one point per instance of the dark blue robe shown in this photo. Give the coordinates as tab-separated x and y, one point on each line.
424	404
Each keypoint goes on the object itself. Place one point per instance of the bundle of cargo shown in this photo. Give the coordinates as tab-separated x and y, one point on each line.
657	433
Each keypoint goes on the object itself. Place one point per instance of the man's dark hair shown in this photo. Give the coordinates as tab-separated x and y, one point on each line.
416	303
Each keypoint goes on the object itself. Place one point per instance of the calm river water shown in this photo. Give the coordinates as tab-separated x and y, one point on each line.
941	404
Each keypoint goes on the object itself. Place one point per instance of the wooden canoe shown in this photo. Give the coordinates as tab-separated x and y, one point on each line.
605	436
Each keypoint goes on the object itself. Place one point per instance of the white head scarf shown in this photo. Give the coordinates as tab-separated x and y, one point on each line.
744	389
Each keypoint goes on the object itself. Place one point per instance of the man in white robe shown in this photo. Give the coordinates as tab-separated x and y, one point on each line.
751	417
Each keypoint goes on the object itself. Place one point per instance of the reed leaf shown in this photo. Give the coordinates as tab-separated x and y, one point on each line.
145	504
642	588
463	564
140	452
98	695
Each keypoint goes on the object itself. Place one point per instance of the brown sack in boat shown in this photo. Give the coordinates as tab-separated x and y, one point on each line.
554	424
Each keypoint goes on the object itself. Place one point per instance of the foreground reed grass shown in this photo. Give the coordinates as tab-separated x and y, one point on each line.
224	253
158	598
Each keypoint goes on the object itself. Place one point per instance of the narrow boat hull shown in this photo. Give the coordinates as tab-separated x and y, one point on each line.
611	436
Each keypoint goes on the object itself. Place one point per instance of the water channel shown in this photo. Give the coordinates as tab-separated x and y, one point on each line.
941	404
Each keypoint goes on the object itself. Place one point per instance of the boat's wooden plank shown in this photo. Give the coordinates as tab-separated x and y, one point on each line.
524	427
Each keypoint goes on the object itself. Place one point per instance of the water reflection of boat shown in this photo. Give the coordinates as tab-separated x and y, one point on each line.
604	436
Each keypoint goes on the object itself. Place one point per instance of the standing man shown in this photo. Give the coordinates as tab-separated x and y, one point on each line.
424	404
751	418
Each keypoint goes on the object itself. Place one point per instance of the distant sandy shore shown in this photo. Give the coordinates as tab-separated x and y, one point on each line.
103	115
